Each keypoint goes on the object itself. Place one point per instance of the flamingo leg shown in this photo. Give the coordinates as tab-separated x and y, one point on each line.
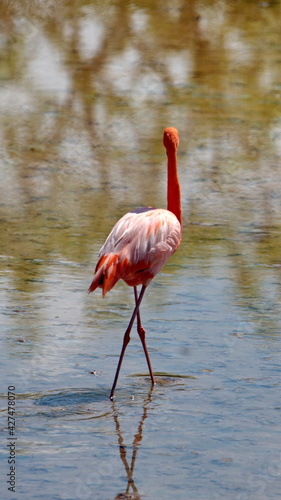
141	332
126	338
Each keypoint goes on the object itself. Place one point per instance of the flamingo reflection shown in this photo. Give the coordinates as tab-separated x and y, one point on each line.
131	492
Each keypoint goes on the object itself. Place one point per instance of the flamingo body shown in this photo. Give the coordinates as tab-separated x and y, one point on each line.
136	249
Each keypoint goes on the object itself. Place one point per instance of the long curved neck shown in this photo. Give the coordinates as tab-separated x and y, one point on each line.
174	193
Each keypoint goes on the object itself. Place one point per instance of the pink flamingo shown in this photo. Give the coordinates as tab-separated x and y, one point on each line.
139	245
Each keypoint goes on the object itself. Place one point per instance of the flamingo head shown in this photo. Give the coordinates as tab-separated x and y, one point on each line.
171	138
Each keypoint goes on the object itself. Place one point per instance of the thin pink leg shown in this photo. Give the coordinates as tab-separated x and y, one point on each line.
126	339
141	332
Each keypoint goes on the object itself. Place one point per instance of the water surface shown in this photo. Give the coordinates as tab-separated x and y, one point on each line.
86	91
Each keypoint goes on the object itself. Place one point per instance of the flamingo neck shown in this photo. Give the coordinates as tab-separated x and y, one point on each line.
173	194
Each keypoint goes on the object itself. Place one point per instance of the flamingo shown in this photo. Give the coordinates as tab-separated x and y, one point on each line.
139	245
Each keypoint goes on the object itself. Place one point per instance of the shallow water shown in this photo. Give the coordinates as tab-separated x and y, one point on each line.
86	91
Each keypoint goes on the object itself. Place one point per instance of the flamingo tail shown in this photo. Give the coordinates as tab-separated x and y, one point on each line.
106	275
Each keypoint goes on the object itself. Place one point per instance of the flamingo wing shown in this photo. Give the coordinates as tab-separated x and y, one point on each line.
137	247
